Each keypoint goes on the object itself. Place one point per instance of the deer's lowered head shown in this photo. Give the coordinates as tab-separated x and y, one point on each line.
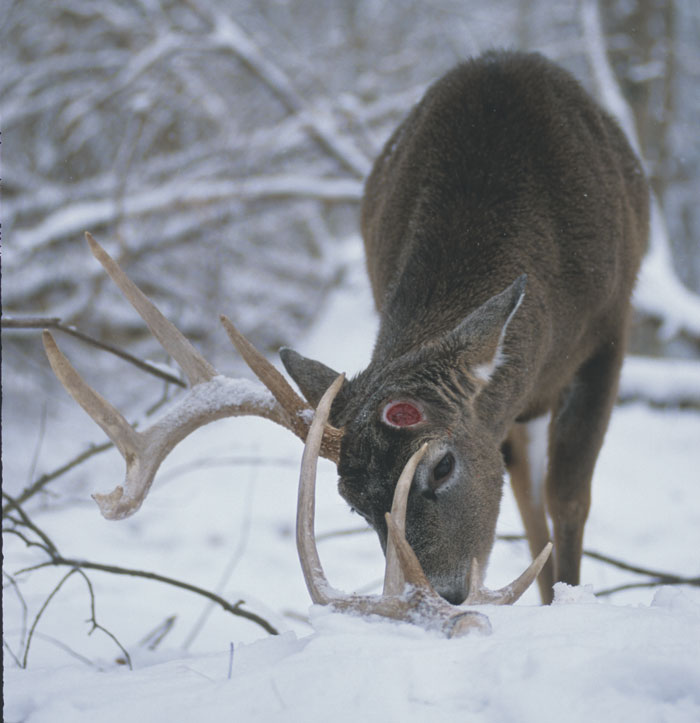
428	395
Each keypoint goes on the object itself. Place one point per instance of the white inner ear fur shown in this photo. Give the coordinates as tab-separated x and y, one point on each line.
483	372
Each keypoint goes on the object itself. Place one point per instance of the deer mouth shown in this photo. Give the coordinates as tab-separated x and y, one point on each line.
453	596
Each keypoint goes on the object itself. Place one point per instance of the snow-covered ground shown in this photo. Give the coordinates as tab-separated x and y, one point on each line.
221	515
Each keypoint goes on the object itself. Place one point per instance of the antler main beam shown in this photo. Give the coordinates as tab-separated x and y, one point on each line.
211	396
408	595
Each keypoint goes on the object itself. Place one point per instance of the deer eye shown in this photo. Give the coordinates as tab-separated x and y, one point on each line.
402	414
442	470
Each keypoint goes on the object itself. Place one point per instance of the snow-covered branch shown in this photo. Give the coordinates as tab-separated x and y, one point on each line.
659	293
76	217
230	35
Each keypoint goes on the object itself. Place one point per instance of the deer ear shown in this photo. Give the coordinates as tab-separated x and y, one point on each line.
482	334
312	377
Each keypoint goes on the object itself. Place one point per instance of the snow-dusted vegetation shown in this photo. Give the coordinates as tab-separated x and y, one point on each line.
218	150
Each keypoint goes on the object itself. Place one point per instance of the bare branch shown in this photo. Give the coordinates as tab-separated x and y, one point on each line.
67	649
25	614
37	486
234	609
93	620
57	560
7	647
649	583
56	323
48	545
42	609
660	577
95	624
153	639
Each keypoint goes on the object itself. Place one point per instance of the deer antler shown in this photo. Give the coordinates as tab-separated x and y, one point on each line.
407	595
211	397
480	595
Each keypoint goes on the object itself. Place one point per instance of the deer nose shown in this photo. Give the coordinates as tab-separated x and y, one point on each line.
453	595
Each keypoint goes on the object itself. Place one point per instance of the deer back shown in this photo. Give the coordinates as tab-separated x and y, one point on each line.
505	167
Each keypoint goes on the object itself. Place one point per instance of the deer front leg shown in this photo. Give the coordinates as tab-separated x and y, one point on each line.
578	426
530	498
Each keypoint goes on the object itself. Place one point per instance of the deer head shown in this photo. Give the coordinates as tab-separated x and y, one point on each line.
407	595
427	397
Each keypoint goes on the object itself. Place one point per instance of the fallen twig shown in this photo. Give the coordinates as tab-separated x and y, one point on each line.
93	619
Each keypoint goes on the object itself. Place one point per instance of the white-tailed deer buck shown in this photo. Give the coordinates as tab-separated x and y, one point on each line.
504	224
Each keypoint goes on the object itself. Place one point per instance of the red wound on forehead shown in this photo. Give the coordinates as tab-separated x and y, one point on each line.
402	414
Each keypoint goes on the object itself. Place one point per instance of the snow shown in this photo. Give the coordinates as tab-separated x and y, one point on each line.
227	524
663	381
207	398
573	661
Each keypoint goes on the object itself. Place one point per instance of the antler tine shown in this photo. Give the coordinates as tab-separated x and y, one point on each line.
291	402
316	582
394	574
411	569
110	419
266	372
196	368
478	594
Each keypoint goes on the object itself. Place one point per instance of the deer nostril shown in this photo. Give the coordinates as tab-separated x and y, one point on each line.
442	470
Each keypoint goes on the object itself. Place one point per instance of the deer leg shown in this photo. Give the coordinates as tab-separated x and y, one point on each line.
530	501
579	423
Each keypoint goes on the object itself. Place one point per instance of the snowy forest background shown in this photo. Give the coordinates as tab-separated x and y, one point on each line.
222	146
218	150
